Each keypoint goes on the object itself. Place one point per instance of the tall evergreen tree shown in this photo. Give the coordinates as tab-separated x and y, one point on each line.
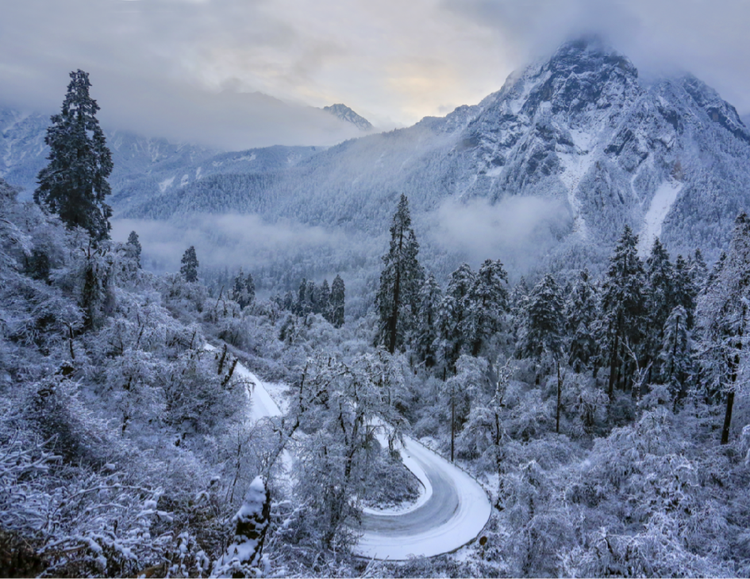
581	311
545	323
74	183
338	298
324	299
659	299
675	356
488	301
430	297
452	319
687	282
133	247
723	313
189	269
397	299
623	305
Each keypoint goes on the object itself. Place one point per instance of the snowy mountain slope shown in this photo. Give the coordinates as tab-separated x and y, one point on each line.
344	113
144	167
580	131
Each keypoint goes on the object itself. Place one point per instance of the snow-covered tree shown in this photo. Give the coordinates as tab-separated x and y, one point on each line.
543	331
74	183
133	248
487	302
337	302
723	314
675	357
426	333
581	312
189	268
623	306
402	275
453	315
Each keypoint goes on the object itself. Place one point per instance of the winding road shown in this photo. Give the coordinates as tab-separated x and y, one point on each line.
451	511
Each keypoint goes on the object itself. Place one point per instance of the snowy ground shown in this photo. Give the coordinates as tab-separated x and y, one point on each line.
450	512
662	202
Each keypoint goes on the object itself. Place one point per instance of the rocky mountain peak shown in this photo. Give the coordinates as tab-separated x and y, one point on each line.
346	114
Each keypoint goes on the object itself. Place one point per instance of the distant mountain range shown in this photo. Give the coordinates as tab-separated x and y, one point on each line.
577	144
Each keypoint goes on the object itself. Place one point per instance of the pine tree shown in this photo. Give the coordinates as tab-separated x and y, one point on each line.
400	280
676	356
324	300
189	269
545	323
687	280
250	288
581	311
338	297
452	319
623	305
488	301
659	298
723	313
133	248
698	270
74	183
243	289
430	297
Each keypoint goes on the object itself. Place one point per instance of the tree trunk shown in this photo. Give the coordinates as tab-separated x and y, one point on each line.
613	366
559	398
727	418
453	421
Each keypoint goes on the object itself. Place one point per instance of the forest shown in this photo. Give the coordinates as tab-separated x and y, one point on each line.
604	416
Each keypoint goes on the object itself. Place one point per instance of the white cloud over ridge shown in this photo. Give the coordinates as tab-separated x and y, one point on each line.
201	70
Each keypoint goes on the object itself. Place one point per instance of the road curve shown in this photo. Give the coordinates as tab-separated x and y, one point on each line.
451	511
454	513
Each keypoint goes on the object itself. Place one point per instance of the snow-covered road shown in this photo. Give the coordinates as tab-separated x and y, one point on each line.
455	512
451	511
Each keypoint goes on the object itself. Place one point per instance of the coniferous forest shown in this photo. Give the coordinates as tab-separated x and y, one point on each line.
605	415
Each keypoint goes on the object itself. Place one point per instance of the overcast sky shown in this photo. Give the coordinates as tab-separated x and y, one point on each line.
243	73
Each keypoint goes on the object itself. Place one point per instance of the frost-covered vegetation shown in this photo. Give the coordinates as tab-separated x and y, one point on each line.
605	412
604	416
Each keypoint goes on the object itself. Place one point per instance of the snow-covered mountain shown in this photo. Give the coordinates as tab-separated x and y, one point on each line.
144	168
579	131
344	113
572	148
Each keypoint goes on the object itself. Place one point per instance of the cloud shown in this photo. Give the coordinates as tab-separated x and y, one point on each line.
226	240
708	39
199	69
515	230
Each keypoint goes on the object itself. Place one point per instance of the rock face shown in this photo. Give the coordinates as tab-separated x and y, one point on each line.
344	113
580	132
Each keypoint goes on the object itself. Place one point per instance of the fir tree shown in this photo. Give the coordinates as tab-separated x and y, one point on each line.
623	305
488	301
133	248
74	183
250	288
452	320
724	315
243	289
400	280
545	323
659	298
324	300
430	297
189	269
338	297
580	314
686	287
675	356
